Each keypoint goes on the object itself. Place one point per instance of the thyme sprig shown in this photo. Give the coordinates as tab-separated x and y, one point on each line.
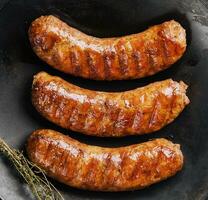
35	177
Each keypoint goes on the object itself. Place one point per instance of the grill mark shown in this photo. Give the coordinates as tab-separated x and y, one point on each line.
48	151
151	62
135	127
129	116
136	55
92	68
163	54
116	121
124	159
74	116
67	111
62	115
53	104
71	113
130	63
75	63
77	117
98	114
131	122
56	112
76	170
62	163
113	117
91	176
109	168
105	168
163	46
123	120
118	172
78	70
135	169
79	165
107	65
71	164
156	163
65	165
127	122
153	113
45	41
56	164
103	114
53	165
122	60
82	115
49	107
165	50
88	115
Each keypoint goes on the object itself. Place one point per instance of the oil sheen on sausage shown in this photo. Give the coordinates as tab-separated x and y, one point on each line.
103	169
137	111
129	57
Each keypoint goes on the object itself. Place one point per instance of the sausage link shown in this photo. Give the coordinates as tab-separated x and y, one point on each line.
103	169
129	57
137	111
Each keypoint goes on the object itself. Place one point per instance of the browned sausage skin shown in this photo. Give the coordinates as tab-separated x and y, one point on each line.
138	111
128	57
104	169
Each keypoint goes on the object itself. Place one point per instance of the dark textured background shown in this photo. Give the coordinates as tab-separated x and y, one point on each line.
107	18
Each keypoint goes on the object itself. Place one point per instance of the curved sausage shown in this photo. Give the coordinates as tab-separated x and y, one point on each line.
103	169
138	111
129	57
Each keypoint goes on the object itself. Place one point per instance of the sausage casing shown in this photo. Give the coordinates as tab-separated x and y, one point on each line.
138	111
128	57
103	169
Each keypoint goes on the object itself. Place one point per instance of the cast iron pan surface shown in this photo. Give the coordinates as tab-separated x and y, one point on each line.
107	18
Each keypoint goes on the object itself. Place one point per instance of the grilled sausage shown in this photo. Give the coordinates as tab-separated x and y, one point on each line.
138	111
128	57
103	169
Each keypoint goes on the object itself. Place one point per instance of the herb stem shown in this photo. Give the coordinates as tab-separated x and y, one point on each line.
39	185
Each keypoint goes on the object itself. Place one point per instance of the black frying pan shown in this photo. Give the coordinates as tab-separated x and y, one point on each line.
105	18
